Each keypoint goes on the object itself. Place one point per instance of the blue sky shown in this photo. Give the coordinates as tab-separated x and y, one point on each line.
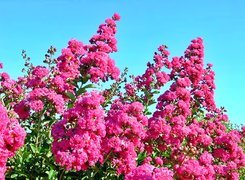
35	25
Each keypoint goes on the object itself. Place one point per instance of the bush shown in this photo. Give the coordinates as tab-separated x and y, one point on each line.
58	122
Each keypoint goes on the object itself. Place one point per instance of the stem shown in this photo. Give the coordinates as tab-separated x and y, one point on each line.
38	129
108	156
62	174
97	169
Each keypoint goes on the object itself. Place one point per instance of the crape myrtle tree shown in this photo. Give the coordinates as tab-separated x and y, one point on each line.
59	122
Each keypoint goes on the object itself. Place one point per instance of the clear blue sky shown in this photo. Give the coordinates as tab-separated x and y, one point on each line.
145	24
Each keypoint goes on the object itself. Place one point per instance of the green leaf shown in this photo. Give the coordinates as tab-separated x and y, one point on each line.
151	102
148	113
83	89
14	176
155	92
89	86
85	79
71	96
33	148
80	91
74	83
51	174
70	105
141	157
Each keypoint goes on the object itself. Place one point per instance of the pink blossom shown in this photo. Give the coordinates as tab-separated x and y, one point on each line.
77	138
116	17
206	158
149	172
12	137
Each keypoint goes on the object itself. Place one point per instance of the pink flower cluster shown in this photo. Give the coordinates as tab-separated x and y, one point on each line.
149	172
68	66
78	136
154	78
37	99
92	59
180	126
36	79
12	137
10	87
97	62
80	142
125	130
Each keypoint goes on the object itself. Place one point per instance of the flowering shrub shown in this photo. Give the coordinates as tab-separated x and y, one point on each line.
57	122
